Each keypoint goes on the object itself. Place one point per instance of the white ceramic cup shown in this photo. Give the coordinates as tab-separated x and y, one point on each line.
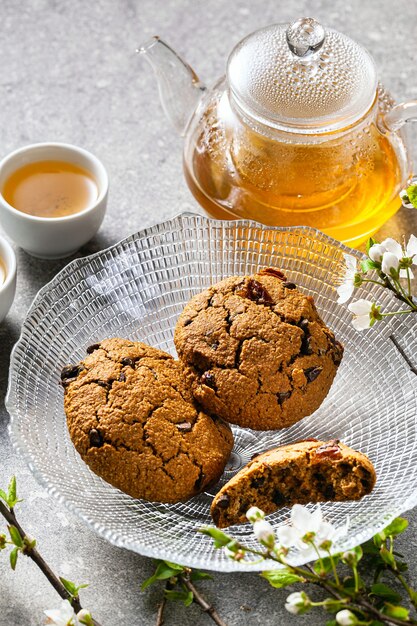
8	286
53	237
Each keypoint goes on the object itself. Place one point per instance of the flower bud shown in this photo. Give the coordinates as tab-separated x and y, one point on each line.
390	264
376	252
297	603
264	533
84	617
346	618
235	554
254	514
352	557
406	200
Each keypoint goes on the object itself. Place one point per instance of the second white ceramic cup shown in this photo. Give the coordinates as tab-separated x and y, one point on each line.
53	237
8	286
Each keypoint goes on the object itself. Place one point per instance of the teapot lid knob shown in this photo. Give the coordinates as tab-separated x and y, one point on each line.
305	36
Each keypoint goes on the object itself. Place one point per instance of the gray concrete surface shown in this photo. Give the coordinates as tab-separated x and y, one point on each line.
69	73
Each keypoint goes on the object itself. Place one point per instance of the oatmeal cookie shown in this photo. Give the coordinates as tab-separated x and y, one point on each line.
256	351
302	472
133	420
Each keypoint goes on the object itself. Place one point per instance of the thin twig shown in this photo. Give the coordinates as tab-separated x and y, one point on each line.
36	557
160	615
207	608
161	608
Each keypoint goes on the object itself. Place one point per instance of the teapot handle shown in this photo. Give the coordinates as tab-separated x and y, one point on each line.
399	115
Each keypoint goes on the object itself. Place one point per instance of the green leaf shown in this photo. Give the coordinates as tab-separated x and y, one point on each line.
15	536
149	581
412	194
12	489
397	526
324	567
197	575
174	566
3	495
368	265
186	597
332	622
220	538
387	557
399	612
13	557
69	586
386	593
162	572
12	498
371	242
189	599
281	578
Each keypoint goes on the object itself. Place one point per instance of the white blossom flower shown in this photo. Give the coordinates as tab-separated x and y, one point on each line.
306	527
390	264
391	245
346	289
411	249
375	252
253	514
64	616
362	310
264	533
346	618
394	248
297	602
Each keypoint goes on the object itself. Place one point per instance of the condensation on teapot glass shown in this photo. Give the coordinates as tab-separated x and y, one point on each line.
302	77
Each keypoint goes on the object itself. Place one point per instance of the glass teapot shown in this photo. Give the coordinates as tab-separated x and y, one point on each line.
298	132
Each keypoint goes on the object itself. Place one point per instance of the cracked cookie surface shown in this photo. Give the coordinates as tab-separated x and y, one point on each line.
133	420
302	472
256	351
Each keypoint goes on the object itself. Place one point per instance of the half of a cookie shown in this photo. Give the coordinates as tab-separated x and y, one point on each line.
302	472
133	420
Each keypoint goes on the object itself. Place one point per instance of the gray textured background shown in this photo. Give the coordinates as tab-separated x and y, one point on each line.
69	73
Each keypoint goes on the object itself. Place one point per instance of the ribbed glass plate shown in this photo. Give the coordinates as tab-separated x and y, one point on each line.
137	289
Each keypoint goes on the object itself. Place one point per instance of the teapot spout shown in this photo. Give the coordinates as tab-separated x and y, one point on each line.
179	86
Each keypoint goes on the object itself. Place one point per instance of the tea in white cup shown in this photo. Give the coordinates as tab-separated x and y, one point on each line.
51	235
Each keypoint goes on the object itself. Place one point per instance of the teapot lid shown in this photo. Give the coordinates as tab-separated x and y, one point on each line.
302	77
